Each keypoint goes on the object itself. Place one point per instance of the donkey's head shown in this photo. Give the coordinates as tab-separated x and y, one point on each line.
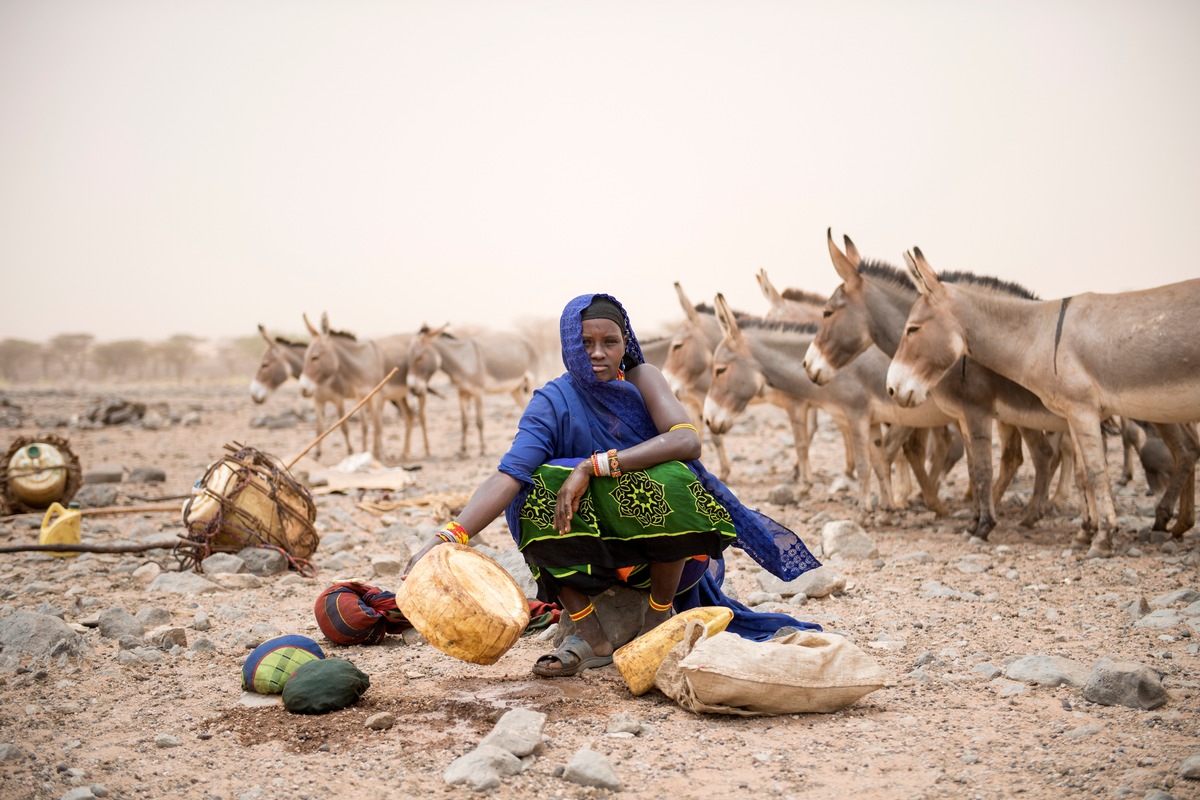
933	339
272	369
424	360
845	328
736	377
689	355
320	358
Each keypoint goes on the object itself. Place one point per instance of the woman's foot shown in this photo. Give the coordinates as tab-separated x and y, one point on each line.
572	656
654	618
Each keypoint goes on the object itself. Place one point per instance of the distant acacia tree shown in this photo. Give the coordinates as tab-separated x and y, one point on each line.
70	351
178	353
15	355
120	358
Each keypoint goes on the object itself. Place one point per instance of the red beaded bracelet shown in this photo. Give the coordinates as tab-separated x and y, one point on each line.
453	532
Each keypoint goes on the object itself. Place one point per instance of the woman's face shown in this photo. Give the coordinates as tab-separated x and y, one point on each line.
605	346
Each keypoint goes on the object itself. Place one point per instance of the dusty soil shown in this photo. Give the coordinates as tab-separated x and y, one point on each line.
941	729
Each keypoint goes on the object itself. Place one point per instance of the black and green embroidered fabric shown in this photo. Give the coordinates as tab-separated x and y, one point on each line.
646	516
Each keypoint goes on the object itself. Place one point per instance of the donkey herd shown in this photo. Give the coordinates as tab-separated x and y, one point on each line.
915	368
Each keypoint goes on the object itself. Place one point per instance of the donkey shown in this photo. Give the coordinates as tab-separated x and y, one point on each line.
494	363
869	308
688	370
349	368
284	359
755	355
1088	357
792	305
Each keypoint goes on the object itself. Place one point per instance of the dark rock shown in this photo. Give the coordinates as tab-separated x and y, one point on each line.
99	495
147	475
105	474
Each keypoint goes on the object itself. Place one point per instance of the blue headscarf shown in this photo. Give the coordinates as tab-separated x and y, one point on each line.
578	414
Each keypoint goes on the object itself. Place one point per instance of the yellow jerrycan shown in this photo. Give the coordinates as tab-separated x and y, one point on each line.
60	526
639	660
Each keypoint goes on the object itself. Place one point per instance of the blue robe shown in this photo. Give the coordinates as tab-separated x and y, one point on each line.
576	415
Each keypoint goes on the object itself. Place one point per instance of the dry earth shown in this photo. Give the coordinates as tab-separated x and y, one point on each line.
947	725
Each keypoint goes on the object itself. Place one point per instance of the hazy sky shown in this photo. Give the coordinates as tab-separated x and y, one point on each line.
201	167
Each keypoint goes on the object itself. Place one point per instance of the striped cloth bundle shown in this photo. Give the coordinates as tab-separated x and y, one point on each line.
356	613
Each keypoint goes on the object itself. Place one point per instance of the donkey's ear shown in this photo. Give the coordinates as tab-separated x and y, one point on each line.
689	310
325	322
924	277
851	251
729	326
313	331
846	269
266	338
768	289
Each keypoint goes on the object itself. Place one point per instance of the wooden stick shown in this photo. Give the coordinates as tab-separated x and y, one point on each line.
347	416
86	548
88	512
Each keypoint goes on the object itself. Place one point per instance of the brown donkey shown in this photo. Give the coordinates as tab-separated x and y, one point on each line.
1087	357
283	360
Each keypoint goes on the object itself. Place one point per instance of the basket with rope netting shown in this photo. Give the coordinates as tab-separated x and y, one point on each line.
248	499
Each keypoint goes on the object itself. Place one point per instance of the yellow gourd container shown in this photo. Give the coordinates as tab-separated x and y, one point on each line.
60	526
464	603
640	659
37	474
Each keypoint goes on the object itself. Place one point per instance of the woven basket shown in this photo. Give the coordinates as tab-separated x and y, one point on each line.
248	498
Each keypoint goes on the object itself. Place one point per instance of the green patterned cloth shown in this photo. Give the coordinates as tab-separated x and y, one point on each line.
660	514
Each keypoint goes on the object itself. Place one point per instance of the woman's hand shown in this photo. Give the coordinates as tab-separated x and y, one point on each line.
434	541
570	495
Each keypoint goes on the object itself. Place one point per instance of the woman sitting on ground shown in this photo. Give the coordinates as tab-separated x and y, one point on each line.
602	487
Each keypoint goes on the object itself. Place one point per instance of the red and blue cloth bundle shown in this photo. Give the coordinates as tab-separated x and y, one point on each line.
356	613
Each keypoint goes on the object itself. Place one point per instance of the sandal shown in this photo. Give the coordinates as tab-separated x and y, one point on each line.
573	655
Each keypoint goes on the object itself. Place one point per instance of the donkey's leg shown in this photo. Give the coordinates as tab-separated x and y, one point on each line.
938	447
1185	451
725	466
1042	456
479	421
407	413
421	420
1010	459
319	407
798	414
1129	448
1085	432
464	401
893	443
914	452
695	407
1187	500
852	453
882	467
375	406
859	428
1064	462
977	428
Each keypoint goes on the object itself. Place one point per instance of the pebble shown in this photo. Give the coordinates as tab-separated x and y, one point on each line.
381	721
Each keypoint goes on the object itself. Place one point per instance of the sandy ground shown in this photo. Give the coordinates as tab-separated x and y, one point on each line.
943	727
